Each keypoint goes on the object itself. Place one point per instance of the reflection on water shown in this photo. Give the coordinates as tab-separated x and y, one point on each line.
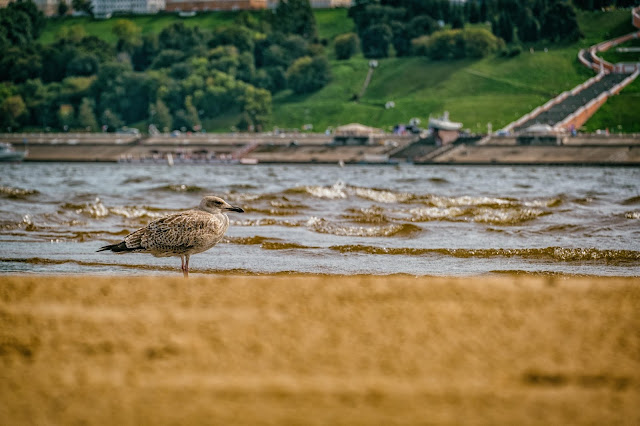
327	219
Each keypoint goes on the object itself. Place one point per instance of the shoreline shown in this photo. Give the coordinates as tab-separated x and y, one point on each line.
621	150
319	349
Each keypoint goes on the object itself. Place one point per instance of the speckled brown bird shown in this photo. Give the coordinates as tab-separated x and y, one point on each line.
181	234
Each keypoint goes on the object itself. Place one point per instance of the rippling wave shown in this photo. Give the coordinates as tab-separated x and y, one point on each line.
632	215
296	219
179	188
16	193
97	210
615	257
631	201
373	215
340	190
324	226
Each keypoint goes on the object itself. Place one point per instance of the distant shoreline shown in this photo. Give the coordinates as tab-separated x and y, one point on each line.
307	148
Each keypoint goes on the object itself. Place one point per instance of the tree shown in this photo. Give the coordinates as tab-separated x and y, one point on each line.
504	28
238	36
167	58
529	31
83	64
66	116
484	11
111	120
375	41
346	45
19	64
63	8
421	25
72	33
144	53
191	114
161	116
86	116
35	16
400	39
12	109
479	42
15	26
561	23
256	106
308	74
82	6
179	37
375	14
55	60
295	17
457	18
128	35
474	12
446	44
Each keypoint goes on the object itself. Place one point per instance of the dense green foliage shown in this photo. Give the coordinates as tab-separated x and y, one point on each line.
175	78
224	69
458	44
346	45
400	22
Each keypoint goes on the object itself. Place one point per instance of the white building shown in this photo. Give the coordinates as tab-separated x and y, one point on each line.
105	8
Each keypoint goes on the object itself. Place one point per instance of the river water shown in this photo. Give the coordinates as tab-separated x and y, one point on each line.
324	219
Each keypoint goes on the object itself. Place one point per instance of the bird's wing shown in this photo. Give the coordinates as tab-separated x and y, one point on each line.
177	231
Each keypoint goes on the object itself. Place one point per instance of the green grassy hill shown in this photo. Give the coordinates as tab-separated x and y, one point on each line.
493	90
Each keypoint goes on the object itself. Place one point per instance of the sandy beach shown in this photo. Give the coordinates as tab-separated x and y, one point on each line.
279	350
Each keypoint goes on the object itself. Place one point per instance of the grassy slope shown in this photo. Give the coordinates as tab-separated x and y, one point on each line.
147	23
492	90
496	90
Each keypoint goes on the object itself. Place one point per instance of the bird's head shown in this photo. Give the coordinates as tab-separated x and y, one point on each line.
213	204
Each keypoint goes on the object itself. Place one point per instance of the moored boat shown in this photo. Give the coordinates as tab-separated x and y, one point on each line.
443	123
7	153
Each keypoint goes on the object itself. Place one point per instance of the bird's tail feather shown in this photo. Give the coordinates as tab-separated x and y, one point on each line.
120	247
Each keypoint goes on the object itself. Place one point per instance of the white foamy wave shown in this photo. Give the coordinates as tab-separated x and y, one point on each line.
506	216
632	215
325	227
381	195
423	214
243	197
543	202
134	212
467	200
95	209
335	191
98	210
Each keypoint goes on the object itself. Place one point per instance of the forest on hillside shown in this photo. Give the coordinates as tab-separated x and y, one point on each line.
182	75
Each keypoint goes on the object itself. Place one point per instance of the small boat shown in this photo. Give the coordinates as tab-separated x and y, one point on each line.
7	153
443	123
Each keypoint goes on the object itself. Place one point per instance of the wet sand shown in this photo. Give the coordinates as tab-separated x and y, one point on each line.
279	350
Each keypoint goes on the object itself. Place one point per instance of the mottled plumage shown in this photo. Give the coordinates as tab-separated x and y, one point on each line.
181	234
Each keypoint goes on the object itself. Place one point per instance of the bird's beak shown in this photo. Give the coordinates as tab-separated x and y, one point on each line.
234	209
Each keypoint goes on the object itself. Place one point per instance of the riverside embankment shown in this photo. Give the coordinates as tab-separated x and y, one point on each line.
589	149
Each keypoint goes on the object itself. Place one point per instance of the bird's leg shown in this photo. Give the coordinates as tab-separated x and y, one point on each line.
186	267
182	267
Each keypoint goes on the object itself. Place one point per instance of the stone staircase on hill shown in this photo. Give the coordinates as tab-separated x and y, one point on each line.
558	112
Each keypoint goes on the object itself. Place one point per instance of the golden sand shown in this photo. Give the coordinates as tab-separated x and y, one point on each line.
282	350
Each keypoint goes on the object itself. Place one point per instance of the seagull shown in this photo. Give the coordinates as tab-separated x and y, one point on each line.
181	234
